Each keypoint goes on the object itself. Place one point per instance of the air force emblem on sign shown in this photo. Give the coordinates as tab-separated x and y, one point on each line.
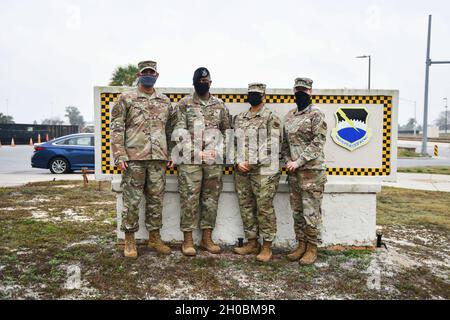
352	131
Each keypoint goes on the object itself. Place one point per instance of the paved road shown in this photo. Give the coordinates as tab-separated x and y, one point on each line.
444	148
408	163
15	168
442	160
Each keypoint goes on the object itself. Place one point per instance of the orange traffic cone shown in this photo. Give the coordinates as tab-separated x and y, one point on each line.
13	144
31	142
46	137
39	138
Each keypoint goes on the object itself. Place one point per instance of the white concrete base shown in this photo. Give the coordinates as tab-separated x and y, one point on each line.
349	215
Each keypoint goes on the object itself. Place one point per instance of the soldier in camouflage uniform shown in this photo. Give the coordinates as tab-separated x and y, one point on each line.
256	184
304	138
139	131
200	179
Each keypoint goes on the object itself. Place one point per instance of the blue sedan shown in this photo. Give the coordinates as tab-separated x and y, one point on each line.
65	154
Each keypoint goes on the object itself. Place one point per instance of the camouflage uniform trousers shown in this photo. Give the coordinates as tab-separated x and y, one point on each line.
146	177
199	187
306	189
255	193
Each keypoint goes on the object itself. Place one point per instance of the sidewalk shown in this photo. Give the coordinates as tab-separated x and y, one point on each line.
17	180
420	181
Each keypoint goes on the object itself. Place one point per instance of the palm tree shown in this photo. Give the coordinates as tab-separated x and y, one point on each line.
124	76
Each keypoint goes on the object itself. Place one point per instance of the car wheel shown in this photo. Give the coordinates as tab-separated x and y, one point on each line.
59	166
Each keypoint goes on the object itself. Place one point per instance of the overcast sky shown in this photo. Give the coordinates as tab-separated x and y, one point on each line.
53	52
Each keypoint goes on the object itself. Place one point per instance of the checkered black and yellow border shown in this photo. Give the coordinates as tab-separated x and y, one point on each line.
386	101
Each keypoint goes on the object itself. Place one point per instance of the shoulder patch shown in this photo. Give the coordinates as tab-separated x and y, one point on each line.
116	110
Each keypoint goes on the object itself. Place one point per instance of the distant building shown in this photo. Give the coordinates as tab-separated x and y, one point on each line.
88	127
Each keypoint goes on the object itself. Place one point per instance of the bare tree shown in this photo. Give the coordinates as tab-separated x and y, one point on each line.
74	116
4	119
53	121
440	121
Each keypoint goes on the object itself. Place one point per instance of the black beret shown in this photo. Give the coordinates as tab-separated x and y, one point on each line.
200	73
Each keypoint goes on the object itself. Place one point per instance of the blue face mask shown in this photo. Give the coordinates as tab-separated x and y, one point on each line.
147	81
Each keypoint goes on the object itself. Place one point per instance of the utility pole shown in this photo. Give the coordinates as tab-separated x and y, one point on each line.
428	64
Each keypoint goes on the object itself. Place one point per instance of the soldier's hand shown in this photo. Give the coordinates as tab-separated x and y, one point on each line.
123	165
170	164
207	155
292	166
212	154
243	167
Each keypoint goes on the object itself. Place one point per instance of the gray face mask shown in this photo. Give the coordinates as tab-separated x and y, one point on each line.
147	81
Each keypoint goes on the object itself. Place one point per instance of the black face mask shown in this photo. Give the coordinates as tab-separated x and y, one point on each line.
254	98
201	88
302	99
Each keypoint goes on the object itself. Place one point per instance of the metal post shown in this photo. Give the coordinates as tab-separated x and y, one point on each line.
427	78
429	62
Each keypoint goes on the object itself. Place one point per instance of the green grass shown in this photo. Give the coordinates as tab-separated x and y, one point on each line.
429	170
402	153
412	207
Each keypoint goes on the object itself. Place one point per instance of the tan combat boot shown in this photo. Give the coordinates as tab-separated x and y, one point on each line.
130	250
266	252
207	242
188	245
251	247
297	253
155	243
310	255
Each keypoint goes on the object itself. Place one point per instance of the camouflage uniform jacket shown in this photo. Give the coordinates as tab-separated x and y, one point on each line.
304	137
212	114
139	126
251	124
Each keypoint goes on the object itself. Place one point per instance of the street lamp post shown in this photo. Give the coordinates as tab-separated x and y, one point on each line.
415	117
446	106
370	65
